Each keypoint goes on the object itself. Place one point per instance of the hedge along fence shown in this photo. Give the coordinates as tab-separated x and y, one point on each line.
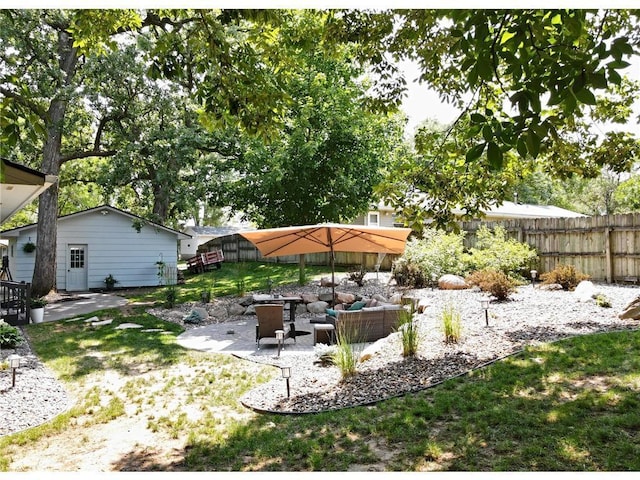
606	247
236	248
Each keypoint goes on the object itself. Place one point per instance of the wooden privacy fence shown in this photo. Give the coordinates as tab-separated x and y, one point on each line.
605	247
236	248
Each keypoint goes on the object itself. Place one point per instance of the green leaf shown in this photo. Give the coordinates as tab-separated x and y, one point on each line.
533	143
487	133
598	79
478	118
475	152
521	146
586	96
494	155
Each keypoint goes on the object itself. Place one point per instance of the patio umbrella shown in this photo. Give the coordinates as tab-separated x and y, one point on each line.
328	237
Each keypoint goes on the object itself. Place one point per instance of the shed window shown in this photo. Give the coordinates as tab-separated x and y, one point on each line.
77	257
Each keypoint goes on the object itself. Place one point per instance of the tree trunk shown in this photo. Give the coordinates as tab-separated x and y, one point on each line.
44	271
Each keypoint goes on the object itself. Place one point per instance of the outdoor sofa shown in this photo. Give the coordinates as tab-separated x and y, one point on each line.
365	324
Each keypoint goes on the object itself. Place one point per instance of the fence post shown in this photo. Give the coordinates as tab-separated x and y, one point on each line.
608	255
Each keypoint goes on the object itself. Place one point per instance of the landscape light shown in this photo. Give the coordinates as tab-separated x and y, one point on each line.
485	305
14	363
534	274
280	339
286	374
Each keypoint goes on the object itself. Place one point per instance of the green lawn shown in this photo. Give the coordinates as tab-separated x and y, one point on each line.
572	405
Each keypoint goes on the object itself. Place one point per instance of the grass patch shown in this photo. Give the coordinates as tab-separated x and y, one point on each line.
572	405
231	279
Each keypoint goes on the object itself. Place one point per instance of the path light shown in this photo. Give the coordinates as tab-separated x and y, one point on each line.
534	274
280	339
485	305
286	374
434	277
14	363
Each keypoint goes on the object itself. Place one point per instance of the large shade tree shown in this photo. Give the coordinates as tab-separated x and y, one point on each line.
226	59
527	82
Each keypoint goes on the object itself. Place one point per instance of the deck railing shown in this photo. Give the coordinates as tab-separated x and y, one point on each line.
15	298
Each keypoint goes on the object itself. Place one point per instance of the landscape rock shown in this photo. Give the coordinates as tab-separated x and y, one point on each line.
396	299
246	301
452	282
631	311
551	287
202	312
326	282
236	309
251	310
374	349
317	307
301	309
324	297
586	291
380	298
345	297
309	297
220	312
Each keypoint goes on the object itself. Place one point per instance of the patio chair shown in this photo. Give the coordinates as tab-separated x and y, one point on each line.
271	318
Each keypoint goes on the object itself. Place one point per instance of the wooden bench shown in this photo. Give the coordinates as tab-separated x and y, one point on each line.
204	261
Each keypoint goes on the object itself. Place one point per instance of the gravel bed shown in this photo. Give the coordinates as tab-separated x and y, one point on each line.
37	396
530	317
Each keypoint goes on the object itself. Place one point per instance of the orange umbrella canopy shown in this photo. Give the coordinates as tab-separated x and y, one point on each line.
328	237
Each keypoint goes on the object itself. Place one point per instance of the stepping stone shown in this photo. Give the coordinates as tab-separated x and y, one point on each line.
73	319
152	330
103	322
91	319
124	326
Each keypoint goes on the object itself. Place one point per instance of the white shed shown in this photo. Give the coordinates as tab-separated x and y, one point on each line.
98	242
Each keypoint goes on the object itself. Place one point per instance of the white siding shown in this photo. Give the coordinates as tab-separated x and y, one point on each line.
113	247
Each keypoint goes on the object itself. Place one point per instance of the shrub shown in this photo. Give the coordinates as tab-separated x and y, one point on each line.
435	254
345	356
171	296
494	250
9	336
451	323
495	282
408	333
565	275
603	301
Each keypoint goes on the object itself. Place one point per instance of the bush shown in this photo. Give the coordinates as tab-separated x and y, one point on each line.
495	251
9	336
565	275
495	282
171	296
451	323
434	255
408	333
603	301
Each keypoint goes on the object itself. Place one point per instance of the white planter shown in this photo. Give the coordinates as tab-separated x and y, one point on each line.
37	315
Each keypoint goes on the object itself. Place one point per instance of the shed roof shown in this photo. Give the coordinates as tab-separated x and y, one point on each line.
14	232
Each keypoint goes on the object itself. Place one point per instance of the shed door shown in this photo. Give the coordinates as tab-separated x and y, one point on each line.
77	268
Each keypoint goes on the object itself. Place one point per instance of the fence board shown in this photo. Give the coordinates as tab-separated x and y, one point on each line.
606	247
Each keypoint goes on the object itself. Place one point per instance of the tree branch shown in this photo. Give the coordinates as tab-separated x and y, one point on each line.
33	106
87	154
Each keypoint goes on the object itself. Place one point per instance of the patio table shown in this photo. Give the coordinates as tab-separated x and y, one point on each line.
292	300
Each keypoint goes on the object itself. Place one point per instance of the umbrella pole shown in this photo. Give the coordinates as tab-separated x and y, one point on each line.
333	277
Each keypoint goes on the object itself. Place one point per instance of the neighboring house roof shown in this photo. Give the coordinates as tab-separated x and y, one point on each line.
524	210
14	232
19	185
219	231
512	210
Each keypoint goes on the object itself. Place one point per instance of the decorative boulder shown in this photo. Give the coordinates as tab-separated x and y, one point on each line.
317	307
452	282
632	310
301	309
551	286
324	297
251	310
375	348
380	298
396	299
246	301
236	309
345	297
586	291
309	297
326	282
